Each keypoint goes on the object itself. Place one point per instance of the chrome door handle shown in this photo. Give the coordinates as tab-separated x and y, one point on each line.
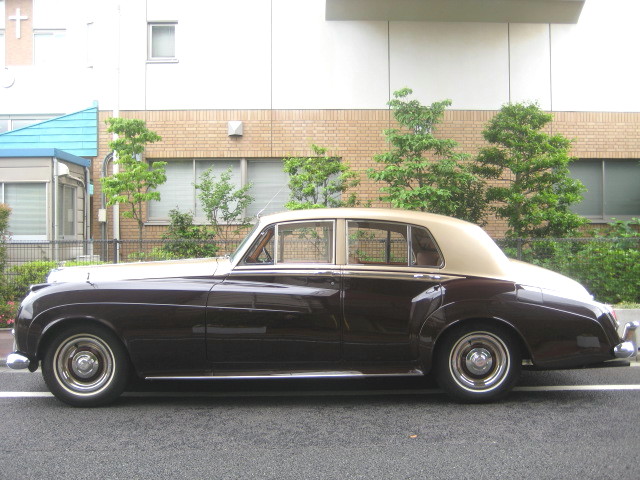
429	276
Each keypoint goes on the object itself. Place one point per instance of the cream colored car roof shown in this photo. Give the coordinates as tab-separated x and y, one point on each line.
467	249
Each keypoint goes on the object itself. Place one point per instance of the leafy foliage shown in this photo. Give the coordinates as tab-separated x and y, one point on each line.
23	276
424	172
608	265
8	312
15	284
135	183
319	181
186	240
536	190
222	202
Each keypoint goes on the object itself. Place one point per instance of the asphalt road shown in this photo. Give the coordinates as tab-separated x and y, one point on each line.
564	424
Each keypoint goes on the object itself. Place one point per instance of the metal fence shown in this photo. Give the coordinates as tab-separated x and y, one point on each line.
28	261
608	267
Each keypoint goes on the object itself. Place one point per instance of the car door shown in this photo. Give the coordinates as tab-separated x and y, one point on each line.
279	308
391	285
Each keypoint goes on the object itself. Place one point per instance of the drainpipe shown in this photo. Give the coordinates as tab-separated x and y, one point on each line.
116	114
87	217
103	206
54	202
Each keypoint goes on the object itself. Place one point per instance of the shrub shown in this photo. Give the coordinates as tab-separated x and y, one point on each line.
8	311
20	277
156	254
186	240
608	265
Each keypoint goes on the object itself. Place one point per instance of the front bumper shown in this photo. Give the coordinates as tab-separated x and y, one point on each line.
17	361
629	347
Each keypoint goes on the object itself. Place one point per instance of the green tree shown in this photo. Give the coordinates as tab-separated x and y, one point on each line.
134	185
319	181
424	172
535	191
222	202
186	240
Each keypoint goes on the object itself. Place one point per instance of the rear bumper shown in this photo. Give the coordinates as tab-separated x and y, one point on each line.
629	347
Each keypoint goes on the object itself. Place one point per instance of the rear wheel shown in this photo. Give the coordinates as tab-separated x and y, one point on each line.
478	362
86	366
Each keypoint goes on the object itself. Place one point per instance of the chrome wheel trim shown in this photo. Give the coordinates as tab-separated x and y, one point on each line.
84	364
479	362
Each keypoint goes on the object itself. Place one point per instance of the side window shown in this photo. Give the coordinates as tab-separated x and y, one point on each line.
261	252
305	242
377	243
424	249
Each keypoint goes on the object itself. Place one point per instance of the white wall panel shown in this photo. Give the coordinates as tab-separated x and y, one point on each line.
529	60
131	38
321	65
39	90
224	54
595	64
465	62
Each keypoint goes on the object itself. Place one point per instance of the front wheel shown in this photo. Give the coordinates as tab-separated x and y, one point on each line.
86	366
478	362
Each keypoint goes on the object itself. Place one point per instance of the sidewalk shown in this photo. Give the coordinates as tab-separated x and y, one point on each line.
6	344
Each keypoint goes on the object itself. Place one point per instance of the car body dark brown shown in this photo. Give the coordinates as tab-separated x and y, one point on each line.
336	292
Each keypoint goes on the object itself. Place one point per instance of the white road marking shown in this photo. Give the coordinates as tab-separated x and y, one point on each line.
576	388
358	393
25	394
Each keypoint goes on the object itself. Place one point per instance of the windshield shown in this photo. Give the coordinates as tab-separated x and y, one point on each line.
240	248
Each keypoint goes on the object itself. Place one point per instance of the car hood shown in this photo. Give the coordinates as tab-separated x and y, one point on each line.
199	267
534	276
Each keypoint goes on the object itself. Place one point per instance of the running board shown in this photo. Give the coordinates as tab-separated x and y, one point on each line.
349	374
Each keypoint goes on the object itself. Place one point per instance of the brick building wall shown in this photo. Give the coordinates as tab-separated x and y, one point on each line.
354	135
19	51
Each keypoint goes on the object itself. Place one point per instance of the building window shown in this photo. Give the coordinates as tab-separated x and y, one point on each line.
162	42
14	122
66	212
28	202
49	47
269	186
612	188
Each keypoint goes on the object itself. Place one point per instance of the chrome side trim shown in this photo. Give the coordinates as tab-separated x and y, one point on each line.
17	361
305	269
411	373
628	347
367	272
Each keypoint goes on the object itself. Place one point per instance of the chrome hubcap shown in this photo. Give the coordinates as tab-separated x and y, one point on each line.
479	361
84	364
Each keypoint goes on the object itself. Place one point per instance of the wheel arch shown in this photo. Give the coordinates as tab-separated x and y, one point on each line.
53	328
430	355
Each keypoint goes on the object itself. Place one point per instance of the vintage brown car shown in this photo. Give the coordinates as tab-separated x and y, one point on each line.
330	292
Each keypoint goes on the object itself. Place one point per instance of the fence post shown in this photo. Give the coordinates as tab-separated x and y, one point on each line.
116	249
519	247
